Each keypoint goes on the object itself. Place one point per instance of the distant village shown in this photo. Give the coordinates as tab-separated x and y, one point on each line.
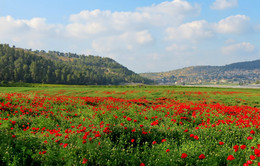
236	77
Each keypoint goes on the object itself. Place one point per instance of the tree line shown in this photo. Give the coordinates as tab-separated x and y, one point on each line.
22	65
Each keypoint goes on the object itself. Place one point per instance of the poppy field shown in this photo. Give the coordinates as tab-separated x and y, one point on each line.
129	126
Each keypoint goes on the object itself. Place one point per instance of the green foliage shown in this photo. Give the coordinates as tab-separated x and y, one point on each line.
20	65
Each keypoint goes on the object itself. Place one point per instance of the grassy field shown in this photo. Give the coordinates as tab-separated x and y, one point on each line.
129	125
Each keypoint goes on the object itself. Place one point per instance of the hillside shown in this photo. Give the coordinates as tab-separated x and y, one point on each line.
22	65
242	72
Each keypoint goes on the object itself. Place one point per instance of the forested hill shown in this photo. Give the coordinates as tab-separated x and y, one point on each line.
22	65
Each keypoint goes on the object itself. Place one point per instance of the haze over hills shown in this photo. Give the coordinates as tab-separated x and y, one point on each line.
23	65
236	73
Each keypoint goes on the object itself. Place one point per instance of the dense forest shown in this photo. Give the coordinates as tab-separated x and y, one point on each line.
22	65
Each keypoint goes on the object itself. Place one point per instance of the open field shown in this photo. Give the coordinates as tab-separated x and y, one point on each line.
129	125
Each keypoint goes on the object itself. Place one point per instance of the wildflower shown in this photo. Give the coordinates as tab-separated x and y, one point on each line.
221	143
154	142
202	156
252	157
252	132
249	162
183	155
249	138
65	145
132	140
13	136
243	146
84	161
236	147
142	164
163	140
230	157
167	150
257	152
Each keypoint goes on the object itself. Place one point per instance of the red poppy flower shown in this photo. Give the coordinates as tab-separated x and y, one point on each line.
249	162
65	145
257	152
196	137
154	142
221	143
236	147
249	137
252	132
132	140
13	136
167	150
230	157
243	146
163	140
183	155
142	164
202	156
84	161
252	157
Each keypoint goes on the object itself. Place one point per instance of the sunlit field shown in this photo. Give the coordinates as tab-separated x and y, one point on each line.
129	125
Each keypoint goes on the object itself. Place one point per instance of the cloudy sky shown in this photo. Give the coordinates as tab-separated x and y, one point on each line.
143	35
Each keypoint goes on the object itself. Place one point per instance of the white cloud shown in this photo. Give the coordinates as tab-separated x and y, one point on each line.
234	24
124	42
195	30
170	12
239	48
29	33
224	4
161	37
88	22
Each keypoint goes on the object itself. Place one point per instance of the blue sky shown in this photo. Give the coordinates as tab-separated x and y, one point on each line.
143	35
